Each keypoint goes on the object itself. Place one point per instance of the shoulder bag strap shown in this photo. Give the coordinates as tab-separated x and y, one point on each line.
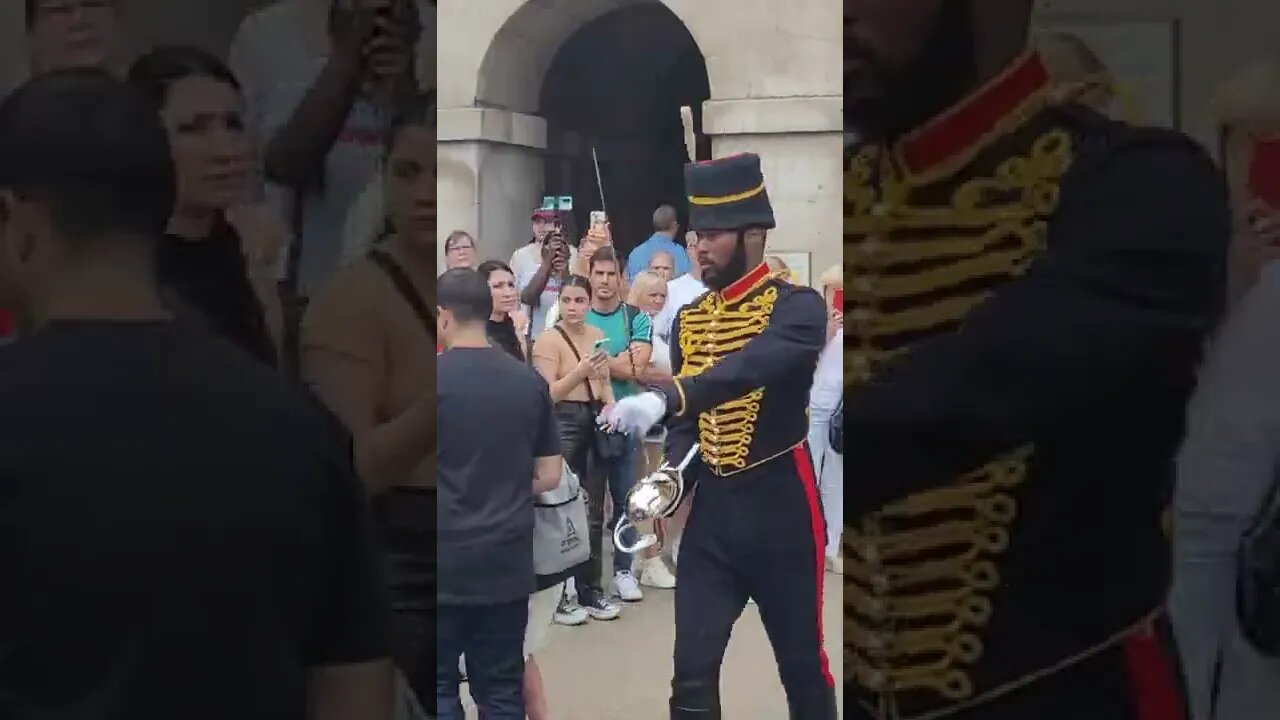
626	320
577	356
405	287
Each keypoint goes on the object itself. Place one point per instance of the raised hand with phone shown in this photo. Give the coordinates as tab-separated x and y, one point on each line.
376	40
594	366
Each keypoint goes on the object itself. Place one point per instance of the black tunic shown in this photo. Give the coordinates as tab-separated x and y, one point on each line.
1029	290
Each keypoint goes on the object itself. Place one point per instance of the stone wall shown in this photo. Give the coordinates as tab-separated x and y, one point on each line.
775	76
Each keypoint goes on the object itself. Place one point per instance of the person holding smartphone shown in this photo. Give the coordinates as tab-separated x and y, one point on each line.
322	81
541	268
571	357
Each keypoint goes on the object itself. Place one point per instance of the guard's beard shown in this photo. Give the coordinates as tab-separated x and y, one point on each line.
940	76
718	278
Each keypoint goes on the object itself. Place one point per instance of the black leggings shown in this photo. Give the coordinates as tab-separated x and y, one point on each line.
407	518
577	446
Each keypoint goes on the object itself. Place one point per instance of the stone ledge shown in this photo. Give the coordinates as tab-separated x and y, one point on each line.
492	125
770	116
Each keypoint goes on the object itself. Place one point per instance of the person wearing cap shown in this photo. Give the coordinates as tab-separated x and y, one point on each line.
743	355
539	272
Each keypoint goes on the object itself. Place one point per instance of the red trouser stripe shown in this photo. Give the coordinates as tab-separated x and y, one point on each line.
1156	695
804	466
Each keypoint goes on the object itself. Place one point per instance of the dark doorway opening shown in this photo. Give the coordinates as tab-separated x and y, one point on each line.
617	85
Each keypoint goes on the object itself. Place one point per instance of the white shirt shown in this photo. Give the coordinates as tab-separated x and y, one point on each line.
1227	465
525	262
828	379
680	292
661	358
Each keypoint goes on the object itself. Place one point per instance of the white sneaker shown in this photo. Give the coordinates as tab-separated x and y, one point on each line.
628	589
654	574
569	613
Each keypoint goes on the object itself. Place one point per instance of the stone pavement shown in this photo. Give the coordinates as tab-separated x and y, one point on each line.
621	670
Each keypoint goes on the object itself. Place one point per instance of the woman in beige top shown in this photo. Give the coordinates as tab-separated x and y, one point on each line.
578	373
370	355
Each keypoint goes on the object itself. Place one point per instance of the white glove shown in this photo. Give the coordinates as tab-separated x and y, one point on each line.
636	414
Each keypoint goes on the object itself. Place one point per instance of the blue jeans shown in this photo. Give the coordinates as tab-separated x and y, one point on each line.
620	475
492	638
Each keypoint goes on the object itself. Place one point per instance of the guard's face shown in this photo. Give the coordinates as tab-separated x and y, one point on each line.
904	60
722	257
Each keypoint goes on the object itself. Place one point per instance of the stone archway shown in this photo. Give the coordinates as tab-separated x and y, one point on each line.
495	113
611	98
773	76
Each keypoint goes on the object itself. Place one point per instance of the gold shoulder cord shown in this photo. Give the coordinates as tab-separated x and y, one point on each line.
709	331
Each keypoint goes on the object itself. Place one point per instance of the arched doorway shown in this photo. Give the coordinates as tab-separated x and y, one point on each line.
616	86
557	79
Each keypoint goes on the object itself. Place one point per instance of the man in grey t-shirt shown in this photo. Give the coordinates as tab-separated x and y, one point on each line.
496	434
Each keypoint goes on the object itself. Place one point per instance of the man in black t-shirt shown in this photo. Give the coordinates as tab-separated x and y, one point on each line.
496	435
182	534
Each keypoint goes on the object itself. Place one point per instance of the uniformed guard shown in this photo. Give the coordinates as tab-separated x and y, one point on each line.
743	355
1030	288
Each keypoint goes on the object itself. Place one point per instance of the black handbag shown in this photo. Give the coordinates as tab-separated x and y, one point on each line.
835	431
1258	578
609	445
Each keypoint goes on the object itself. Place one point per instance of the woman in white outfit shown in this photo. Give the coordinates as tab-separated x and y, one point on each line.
649	294
828	389
1230	458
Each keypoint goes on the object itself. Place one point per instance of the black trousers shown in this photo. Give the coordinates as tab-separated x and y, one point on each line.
407	520
1137	679
758	534
577	446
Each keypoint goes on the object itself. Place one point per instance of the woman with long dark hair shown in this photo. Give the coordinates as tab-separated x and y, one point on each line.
503	331
369	351
218	263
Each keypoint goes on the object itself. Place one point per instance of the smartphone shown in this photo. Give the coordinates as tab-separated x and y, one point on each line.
598	220
566	203
600	343
837	299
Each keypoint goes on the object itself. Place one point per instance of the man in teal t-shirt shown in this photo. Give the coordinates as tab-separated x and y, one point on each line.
623	326
628	336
